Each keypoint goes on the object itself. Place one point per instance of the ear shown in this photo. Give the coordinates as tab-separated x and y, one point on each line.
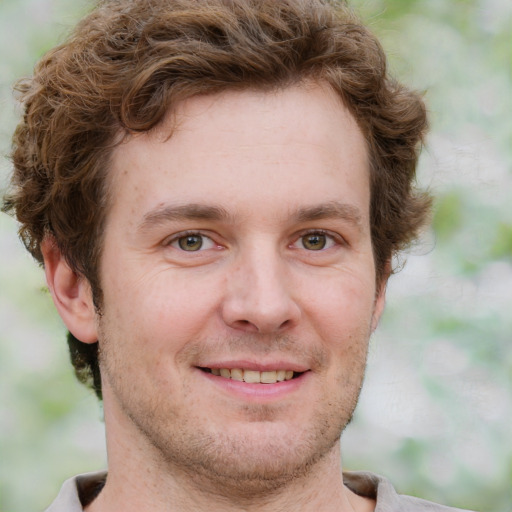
380	296
71	293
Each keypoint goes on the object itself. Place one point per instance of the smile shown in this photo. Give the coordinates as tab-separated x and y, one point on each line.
253	376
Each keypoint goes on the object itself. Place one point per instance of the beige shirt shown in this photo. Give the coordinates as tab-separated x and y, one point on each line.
81	490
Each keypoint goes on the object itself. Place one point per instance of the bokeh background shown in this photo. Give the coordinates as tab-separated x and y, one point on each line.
436	412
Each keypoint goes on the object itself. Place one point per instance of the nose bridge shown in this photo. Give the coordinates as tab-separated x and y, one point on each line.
259	294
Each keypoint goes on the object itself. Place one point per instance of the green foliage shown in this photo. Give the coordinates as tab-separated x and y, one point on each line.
449	215
438	394
502	247
436	410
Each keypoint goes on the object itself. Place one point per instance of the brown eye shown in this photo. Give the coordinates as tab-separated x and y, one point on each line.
314	241
190	242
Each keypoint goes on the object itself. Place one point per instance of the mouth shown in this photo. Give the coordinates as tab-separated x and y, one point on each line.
253	376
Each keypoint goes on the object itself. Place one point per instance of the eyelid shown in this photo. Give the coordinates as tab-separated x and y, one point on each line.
336	237
175	237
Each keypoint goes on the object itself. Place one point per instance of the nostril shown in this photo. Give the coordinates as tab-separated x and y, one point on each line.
285	324
256	315
244	325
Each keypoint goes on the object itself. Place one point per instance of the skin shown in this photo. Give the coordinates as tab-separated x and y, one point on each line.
275	187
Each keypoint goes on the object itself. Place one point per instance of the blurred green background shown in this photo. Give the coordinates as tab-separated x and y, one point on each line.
436	412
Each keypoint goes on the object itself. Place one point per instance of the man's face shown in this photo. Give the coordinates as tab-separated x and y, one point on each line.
239	246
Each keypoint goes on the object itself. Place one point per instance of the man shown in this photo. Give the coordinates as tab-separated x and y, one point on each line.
216	190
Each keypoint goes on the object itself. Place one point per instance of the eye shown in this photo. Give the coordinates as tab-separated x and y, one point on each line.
192	242
315	241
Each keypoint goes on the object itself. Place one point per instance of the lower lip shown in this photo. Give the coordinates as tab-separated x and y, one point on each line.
259	392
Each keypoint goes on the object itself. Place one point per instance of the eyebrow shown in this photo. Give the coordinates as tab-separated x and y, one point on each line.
331	210
191	211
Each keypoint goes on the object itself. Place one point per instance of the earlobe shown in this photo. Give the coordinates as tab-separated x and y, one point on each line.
380	297
70	292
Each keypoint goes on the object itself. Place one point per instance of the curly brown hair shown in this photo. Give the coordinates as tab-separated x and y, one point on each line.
131	61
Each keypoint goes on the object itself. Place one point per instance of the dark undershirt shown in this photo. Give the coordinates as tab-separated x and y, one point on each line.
89	490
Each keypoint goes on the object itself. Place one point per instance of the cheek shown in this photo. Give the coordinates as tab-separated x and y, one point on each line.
342	305
162	308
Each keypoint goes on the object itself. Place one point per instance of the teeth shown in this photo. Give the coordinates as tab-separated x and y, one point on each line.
253	376
237	374
268	377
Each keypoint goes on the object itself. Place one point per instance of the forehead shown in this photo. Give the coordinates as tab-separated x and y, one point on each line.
242	149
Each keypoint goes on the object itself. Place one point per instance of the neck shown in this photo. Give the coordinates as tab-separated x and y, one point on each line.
140	478
134	485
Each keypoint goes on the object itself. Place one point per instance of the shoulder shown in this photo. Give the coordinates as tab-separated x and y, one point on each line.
388	500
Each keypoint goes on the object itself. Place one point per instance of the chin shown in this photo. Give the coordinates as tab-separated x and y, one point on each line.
249	458
249	465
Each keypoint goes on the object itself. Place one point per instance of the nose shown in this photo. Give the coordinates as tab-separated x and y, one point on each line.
260	295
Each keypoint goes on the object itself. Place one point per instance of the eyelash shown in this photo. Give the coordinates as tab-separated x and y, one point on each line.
184	234
334	238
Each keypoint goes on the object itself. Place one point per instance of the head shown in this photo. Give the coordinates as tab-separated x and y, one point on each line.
129	65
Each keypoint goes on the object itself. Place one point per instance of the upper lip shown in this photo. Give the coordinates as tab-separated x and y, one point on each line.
255	366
